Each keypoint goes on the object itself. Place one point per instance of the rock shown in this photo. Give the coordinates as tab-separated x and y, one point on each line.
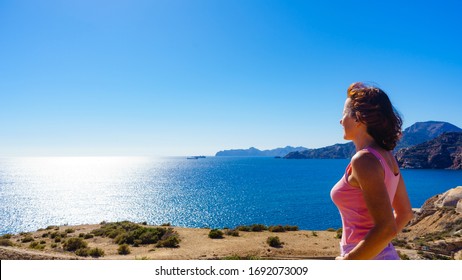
451	198
459	207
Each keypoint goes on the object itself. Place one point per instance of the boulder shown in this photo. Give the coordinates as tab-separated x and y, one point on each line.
450	198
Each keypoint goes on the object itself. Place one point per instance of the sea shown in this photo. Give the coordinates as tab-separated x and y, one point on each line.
212	192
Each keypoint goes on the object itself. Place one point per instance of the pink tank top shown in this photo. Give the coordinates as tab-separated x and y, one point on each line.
356	219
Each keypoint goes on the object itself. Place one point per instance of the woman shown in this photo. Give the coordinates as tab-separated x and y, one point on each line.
372	186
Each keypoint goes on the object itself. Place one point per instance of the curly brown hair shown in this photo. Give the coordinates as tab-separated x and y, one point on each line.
371	106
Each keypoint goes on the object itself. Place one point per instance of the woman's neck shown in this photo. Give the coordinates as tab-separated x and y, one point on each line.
364	141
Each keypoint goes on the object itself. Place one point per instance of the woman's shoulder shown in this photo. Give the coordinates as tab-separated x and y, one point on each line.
365	160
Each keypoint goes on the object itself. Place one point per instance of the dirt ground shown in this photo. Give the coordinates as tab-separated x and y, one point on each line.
195	245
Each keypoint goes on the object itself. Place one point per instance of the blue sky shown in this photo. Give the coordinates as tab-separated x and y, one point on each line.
171	78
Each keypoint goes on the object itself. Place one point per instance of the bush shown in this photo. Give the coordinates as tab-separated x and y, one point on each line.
52	227
258	227
330	230
243	228
169	240
127	233
403	256
274	241
232	232
74	243
339	233
314	233
35	245
88	236
215	233
123	249
6	236
96	252
82	252
70	230
27	238
5	242
291	228
276	229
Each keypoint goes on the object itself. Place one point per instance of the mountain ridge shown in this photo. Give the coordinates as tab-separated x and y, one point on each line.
415	134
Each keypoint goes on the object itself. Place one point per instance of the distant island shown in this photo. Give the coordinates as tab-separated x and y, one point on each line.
446	151
254	152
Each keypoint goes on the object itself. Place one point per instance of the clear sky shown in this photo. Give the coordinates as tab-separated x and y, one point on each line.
171	77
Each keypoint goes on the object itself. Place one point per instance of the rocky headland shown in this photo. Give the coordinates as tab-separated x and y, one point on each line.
443	152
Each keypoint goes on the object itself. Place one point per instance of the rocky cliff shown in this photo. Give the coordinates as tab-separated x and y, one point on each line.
443	152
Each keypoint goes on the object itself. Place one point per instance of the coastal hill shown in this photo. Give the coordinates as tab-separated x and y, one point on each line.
421	132
443	152
337	151
253	152
415	134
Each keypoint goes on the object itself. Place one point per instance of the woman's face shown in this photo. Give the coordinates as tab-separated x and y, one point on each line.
348	122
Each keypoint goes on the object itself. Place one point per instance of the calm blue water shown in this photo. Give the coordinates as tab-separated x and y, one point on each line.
210	192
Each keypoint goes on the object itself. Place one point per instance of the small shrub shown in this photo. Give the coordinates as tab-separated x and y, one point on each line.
69	230
403	256
243	228
330	230
144	223
54	245
258	227
36	246
6	236
82	252
137	243
339	233
96	252
291	228
274	241
276	229
314	233
81	235
215	233
52	227
165	225
123	249
6	242
171	241
74	243
46	234
27	238
232	232
57	239
88	236
43	242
